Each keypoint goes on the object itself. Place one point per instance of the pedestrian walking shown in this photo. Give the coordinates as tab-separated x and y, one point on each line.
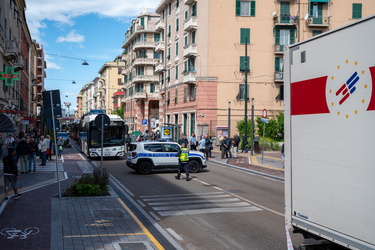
235	143
33	148
49	148
23	155
10	175
208	144
183	160
60	147
10	142
222	147
42	146
193	142
227	145
128	140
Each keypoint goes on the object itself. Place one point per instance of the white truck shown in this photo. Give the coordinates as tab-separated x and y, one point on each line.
330	136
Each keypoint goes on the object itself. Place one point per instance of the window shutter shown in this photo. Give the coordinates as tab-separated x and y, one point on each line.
238	7
245	33
292	36
243	64
277	36
252	8
277	64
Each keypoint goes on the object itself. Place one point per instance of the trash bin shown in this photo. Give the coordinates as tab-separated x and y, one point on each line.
256	145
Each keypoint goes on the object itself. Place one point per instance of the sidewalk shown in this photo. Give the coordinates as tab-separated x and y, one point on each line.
40	220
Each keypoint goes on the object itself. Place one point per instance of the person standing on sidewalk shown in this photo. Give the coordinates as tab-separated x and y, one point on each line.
49	149
244	143
193	142
235	142
183	159
227	145
10	174
23	155
42	146
60	147
33	148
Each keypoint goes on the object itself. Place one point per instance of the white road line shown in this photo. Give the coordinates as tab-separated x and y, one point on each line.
176	195
141	203
191	196
211	210
190	202
209	205
154	216
174	234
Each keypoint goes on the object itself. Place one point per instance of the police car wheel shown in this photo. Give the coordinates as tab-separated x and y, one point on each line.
144	167
194	166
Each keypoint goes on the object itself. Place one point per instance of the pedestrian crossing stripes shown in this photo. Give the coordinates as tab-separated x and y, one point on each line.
197	203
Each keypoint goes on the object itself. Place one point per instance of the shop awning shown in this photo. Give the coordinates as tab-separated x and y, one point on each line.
7	124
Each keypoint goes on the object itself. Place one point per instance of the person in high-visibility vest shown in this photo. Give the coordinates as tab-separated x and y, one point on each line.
183	159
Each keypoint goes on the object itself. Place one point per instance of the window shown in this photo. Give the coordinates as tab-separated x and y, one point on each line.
193	37
169	8
357	11
154	147
244	64
176	48
152	87
185	94
192	91
241	92
177	24
119	81
177	3
245	8
279	64
189	65
186	40
142	21
316	12
176	95
176	76
284	12
192	123
194	9
284	37
139	87
245	36
176	119
316	32
169	31
186	15
171	148
156	37
140	71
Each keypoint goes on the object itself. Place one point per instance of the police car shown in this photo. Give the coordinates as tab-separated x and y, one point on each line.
148	155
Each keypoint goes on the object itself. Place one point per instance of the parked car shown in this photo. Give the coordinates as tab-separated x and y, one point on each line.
65	137
148	155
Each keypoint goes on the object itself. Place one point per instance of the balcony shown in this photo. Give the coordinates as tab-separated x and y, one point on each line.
159	25
279	76
139	95
285	20
316	22
189	77
144	61
190	23
11	50
145	78
279	49
143	45
159	47
190	50
159	67
189	2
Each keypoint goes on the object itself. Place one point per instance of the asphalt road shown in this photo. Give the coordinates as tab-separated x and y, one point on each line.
221	208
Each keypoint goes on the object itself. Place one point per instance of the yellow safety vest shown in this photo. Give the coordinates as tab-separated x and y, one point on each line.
184	156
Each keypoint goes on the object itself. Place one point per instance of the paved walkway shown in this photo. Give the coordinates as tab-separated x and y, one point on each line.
41	220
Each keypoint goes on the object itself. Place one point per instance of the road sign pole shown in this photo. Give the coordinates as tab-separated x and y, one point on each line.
55	142
101	157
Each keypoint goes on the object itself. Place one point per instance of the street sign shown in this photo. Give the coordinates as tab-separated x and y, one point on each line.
264	113
102	120
264	120
153	123
144	122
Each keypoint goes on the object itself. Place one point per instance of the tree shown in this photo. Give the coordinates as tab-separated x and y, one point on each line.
120	112
274	128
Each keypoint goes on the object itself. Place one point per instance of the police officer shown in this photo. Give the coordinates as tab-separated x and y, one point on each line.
183	159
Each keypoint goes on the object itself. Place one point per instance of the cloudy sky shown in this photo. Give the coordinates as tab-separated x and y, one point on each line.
74	30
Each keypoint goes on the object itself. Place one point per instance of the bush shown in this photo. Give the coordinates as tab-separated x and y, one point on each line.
93	184
269	144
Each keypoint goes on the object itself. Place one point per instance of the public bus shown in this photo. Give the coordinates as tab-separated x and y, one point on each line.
113	138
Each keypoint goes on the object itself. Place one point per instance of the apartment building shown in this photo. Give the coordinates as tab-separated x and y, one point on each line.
203	66
141	84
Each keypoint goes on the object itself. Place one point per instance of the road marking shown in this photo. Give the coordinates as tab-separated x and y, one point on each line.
149	235
13	233
174	234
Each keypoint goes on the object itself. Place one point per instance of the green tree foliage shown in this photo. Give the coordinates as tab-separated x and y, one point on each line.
274	127
119	112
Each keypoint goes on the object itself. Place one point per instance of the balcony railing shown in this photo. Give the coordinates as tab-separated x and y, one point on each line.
279	76
159	25
140	95
159	47
285	20
279	49
190	23
145	78
190	50
189	77
144	61
143	45
318	22
159	67
11	50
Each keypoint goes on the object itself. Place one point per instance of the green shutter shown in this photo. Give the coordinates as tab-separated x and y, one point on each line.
185	95
357	11
156	37
292	33
142	21
238	7
245	36
277	37
277	64
252	8
243	64
177	24
194	9
176	48
176	72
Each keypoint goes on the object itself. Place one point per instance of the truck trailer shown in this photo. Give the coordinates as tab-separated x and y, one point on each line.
329	96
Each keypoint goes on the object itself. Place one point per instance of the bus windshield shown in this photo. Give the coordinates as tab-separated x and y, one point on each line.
113	136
